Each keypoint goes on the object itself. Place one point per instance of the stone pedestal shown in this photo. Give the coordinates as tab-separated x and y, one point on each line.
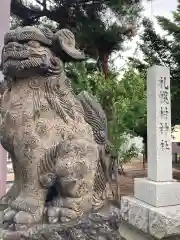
160	223
157	194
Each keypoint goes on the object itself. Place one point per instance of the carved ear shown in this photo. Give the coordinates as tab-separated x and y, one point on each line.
64	44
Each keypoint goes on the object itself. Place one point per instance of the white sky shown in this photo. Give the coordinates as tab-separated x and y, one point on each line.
157	7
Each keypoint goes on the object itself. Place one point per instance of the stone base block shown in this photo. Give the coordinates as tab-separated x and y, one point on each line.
157	194
157	222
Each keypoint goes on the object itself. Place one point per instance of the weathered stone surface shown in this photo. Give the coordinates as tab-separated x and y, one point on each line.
157	222
57	141
124	208
134	214
165	222
102	225
138	217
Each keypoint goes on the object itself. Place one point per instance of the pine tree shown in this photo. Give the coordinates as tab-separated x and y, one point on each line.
164	50
91	21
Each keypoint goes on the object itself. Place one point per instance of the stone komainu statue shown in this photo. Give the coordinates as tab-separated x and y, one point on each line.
56	140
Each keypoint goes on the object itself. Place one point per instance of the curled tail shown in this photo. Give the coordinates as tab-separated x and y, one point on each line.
96	118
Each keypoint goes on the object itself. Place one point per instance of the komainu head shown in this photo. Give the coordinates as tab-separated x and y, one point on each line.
32	51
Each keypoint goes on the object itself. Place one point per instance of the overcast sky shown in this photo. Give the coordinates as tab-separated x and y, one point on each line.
160	7
157	7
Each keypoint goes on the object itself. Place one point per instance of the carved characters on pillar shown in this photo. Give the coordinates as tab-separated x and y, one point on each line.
164	112
164	128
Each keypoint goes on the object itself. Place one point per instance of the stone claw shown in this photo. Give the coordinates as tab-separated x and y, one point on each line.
17	220
23	218
53	214
9	215
67	214
22	212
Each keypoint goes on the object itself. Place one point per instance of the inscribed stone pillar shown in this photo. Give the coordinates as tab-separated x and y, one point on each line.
159	124
158	189
4	25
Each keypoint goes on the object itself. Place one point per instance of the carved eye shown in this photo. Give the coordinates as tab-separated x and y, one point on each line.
34	44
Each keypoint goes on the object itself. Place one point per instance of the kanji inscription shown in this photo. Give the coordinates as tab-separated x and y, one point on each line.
164	127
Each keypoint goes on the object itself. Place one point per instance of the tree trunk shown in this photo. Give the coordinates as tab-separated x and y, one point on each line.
103	63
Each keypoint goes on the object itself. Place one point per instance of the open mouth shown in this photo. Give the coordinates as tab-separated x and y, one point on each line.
15	51
14	67
18	58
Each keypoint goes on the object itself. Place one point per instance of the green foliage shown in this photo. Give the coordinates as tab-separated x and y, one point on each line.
126	153
123	101
129	106
164	50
